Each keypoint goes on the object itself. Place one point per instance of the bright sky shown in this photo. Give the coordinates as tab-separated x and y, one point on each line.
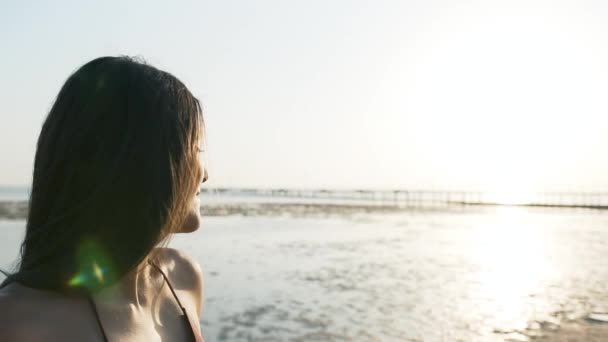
494	95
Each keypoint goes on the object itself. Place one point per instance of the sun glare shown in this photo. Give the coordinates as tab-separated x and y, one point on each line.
512	254
509	198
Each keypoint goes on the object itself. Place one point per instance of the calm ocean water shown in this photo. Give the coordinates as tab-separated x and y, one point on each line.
414	276
14	193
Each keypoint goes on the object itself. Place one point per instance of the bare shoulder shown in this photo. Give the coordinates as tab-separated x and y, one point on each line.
183	271
32	315
180	265
16	321
11	327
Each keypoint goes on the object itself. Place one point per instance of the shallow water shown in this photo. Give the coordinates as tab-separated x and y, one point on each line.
470	276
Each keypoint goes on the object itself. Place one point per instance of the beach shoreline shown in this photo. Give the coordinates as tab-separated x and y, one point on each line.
14	210
18	209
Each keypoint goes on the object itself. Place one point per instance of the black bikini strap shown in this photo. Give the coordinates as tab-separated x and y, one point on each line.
170	287
103	333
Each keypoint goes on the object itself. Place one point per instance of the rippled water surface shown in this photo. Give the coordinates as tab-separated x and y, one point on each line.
469	276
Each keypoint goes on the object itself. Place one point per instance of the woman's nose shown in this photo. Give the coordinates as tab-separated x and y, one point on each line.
205	176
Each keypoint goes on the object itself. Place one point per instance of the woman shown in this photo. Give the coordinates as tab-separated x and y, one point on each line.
117	171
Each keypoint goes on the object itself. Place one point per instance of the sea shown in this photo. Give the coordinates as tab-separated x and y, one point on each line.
486	273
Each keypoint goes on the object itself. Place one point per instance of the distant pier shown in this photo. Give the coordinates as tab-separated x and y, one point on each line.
429	198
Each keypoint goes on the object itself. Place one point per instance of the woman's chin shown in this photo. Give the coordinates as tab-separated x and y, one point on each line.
192	223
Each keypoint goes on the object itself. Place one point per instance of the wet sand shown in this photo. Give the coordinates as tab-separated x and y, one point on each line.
13	210
18	209
574	331
590	328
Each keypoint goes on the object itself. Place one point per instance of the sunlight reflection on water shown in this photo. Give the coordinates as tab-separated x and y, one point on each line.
470	276
511	255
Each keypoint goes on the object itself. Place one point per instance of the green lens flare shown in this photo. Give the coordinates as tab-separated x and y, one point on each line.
94	267
76	280
98	272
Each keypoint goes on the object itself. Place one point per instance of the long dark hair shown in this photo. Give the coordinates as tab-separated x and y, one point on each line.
115	170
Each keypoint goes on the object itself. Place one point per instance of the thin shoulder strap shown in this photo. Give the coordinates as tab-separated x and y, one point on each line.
103	333
170	287
196	336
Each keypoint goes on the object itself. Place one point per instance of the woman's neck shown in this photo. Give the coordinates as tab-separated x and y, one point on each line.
133	287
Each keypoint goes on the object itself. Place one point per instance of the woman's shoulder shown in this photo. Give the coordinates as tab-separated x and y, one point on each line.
28	314
11	314
183	271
